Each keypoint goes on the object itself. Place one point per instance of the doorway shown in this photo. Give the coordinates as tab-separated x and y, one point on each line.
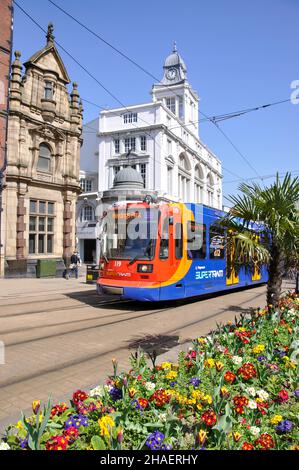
89	251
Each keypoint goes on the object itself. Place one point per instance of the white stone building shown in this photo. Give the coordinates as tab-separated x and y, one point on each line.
160	139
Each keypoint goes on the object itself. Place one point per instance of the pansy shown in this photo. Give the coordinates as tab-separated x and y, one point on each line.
284	427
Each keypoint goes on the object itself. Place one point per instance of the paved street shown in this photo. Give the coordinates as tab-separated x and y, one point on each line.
60	336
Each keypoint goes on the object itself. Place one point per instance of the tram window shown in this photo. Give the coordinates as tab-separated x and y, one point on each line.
178	241
164	242
196	238
217	242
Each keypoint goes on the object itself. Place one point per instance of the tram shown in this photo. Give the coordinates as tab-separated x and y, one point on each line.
166	251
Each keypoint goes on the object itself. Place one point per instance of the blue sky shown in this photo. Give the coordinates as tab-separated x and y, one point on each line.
239	54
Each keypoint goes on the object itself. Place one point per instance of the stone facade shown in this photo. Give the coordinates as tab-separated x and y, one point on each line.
42	178
5	58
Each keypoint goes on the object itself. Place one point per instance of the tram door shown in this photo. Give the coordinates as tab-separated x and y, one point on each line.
256	275
231	276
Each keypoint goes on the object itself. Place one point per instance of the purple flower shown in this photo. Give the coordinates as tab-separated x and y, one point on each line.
116	394
279	352
172	384
296	393
136	405
76	421
262	358
194	381
284	427
23	443
166	447
155	441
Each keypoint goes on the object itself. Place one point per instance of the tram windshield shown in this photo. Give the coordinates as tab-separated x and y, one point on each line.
131	233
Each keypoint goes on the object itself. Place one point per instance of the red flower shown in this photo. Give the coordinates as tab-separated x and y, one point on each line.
261	406
143	402
57	443
247	446
160	397
209	418
283	396
79	396
71	434
247	371
240	401
229	377
266	441
58	409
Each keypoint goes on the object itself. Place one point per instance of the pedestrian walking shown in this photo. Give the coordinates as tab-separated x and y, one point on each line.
75	263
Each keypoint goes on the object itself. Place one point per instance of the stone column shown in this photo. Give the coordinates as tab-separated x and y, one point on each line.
67	230
21	226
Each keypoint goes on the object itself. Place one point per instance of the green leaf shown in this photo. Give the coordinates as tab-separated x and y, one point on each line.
98	443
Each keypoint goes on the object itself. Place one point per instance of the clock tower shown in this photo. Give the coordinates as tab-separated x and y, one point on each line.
175	91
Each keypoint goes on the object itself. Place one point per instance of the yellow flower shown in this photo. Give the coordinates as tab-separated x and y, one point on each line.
35	406
209	362
236	436
258	349
241	329
199	406
291	365
106	424
207	399
201	436
197	394
132	392
19	425
166	365
224	392
171	375
201	341
276	419
219	365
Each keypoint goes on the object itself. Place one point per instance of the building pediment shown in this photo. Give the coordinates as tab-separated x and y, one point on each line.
48	132
48	59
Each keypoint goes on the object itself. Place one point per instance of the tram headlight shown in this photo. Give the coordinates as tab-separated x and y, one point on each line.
145	268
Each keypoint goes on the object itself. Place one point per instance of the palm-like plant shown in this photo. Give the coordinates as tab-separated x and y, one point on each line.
275	212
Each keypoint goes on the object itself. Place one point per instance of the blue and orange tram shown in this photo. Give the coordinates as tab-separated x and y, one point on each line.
166	251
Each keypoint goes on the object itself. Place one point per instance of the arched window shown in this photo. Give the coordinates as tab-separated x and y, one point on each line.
210	189
198	184
44	158
87	214
184	177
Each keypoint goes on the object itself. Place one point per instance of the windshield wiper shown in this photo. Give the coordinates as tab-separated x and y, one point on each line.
146	253
133	260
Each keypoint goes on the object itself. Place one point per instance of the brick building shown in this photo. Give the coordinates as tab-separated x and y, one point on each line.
5	59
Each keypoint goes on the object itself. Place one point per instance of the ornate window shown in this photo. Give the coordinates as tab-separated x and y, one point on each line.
130	117
41	227
86	185
210	189
116	145
198	184
87	214
49	90
44	158
170	103
130	144
143	143
184	177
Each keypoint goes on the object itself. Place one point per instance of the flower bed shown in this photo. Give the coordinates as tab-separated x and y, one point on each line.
237	388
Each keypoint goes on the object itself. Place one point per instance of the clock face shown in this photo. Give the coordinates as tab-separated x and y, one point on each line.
171	74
